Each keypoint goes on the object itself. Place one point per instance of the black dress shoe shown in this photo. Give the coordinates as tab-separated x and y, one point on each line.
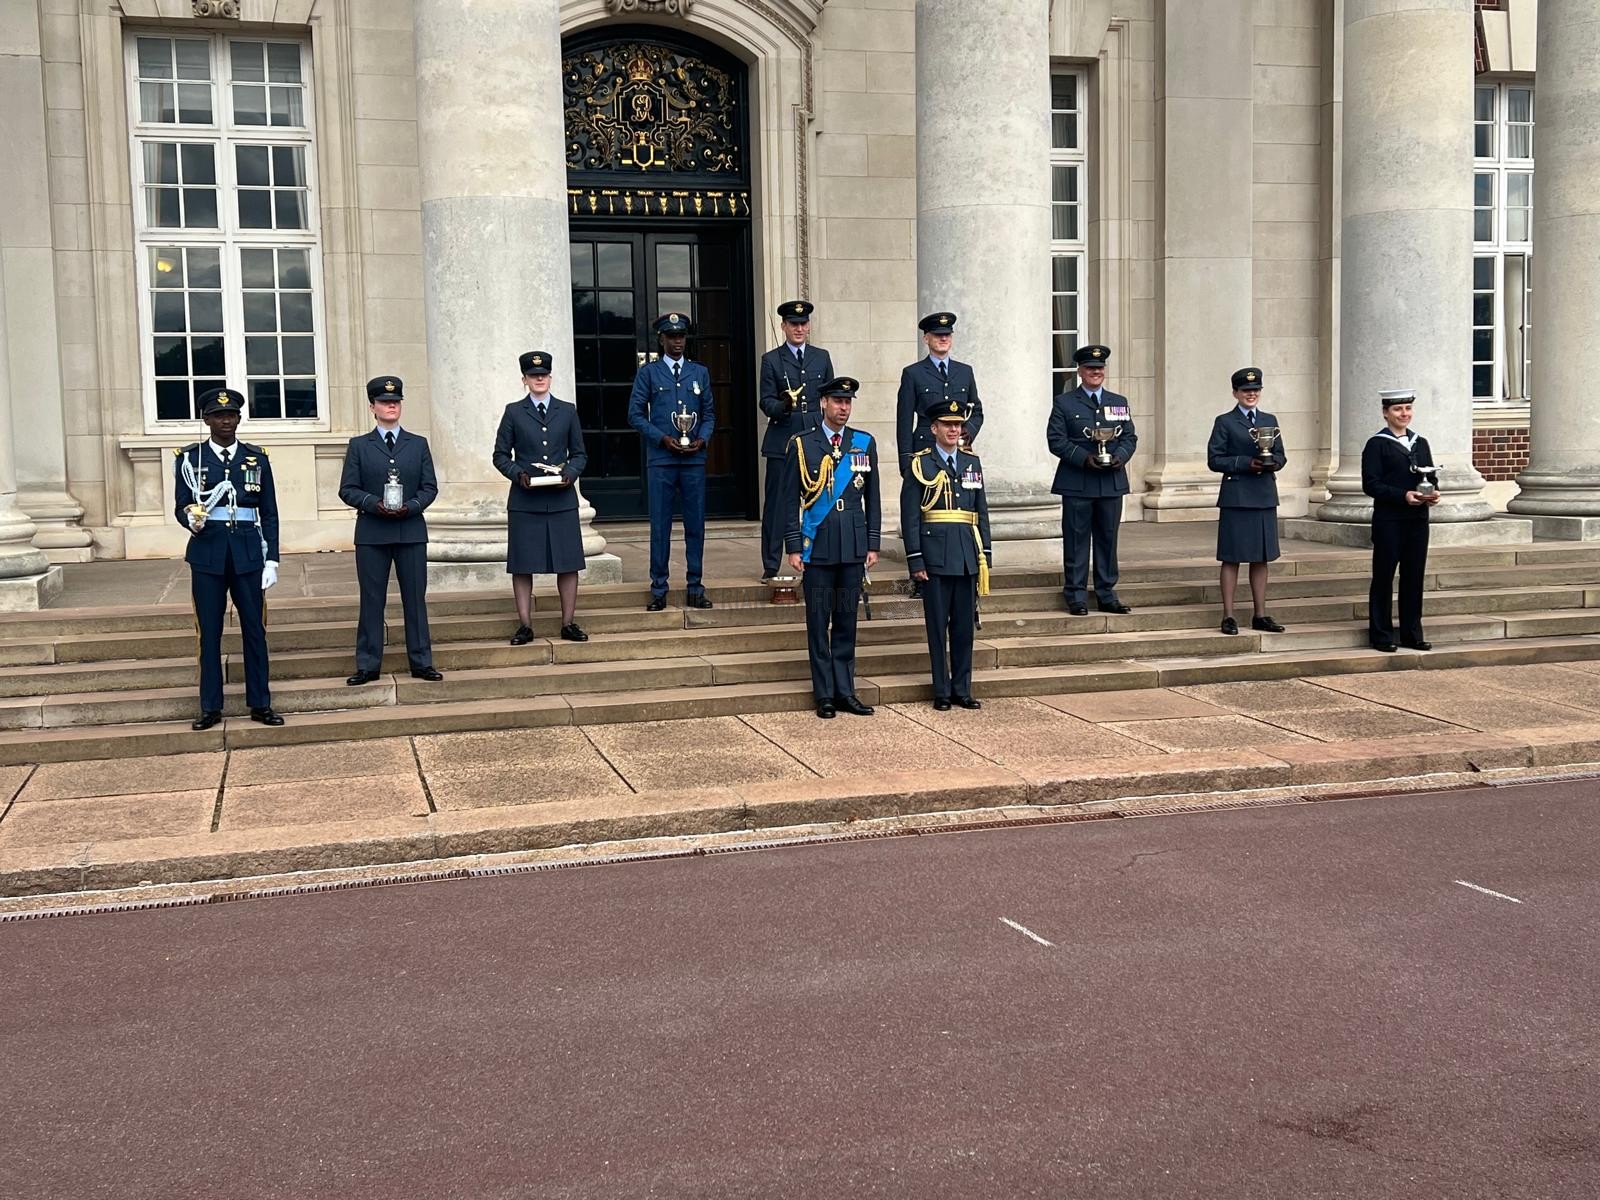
361	677
967	702
916	590
574	633
431	674
1229	625
657	603
697	600
522	636
1386	647
1112	606
768	576
266	716
1265	625
825	709
1418	645
852	706
206	720
1078	610
941	704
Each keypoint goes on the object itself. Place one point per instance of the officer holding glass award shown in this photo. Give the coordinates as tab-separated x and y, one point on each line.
388	479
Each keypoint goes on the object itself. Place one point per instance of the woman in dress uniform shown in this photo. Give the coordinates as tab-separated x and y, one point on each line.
1389	474
1247	526
540	437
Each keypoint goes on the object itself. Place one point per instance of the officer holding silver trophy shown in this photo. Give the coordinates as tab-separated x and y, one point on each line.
1246	449
1399	473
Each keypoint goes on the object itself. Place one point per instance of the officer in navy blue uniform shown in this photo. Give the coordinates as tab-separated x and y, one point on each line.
832	474
936	377
1247	525
944	522
790	376
1389	463
542	437
390	537
1091	493
232	551
675	462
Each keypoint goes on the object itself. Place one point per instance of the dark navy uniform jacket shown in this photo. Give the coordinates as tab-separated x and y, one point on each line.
1229	454
944	548
1072	412
523	440
251	472
779	372
656	396
920	385
1386	476
366	469
847	533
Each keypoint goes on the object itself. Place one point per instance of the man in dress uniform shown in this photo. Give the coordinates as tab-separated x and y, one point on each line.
944	522
675	459
390	536
1091	487
834	530
226	500
541	437
790	376
1394	464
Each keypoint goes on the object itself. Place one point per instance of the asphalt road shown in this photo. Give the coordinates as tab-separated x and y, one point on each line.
1295	1002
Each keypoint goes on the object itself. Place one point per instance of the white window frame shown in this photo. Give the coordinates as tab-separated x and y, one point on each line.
229	237
1499	167
1075	157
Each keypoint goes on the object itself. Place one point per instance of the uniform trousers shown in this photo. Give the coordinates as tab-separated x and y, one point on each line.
950	608
410	562
831	595
1084	518
210	593
1402	544
670	483
773	518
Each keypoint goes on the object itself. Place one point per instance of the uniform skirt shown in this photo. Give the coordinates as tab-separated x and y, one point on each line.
543	543
1247	535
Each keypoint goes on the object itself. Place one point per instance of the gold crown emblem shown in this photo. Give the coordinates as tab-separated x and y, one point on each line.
954	407
799	308
538	360
944	320
222	400
388	385
1096	353
639	69
1250	376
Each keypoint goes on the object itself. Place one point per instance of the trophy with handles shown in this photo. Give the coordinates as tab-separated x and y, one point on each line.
683	421
1265	437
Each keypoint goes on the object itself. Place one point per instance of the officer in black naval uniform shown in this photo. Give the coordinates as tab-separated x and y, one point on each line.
790	376
835	526
541	436
1091	494
1247	525
936	377
1399	523
232	551
390	537
944	522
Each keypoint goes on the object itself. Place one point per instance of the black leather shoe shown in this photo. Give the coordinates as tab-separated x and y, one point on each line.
916	590
361	677
825	709
1078	610
1265	625
968	702
206	720
1113	606
574	633
1386	647
657	603
697	600
266	716
522	636
768	576
941	704
431	674
852	706
1421	645
1229	625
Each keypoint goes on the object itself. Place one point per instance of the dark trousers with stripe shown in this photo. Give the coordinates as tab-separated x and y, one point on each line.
773	518
950	610
1402	544
1084	518
410	563
831	594
211	593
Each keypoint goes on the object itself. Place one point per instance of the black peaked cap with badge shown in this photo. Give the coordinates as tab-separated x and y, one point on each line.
221	400
840	385
1248	379
386	387
536	362
1092	355
796	311
939	322
943	410
672	322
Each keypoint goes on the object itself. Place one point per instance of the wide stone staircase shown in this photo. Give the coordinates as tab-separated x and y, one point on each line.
110	681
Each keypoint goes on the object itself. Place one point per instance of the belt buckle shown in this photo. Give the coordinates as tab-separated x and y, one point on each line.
838	506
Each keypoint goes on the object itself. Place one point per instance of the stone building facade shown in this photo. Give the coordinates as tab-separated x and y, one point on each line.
294	195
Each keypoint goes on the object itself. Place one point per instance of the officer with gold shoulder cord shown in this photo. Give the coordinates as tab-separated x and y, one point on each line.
944	522
790	376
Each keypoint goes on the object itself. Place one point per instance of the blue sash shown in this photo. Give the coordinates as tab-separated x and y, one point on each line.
811	520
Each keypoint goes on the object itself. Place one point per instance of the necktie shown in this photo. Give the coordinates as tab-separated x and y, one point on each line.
944	371
1252	418
388	439
950	463
226	455
800	359
541	411
836	441
676	372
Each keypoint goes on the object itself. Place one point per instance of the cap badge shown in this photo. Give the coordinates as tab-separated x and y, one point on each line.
538	360
1250	376
944	320
388	385
1095	353
799	308
224	400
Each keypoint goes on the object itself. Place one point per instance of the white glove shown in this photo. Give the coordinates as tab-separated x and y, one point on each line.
269	575
196	523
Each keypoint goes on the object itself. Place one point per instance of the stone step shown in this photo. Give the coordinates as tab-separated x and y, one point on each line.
1327	635
48	713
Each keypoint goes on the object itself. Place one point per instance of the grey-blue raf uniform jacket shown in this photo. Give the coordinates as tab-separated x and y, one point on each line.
656	396
846	534
366	469
523	440
1230	452
941	547
779	372
251	473
920	385
1071	413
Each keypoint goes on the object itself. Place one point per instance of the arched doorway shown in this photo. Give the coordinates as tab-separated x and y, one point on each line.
658	177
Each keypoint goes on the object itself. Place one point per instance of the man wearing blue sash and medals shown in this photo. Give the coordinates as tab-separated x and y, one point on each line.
832	538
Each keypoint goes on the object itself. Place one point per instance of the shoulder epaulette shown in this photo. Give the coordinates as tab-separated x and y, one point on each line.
254	449
920	453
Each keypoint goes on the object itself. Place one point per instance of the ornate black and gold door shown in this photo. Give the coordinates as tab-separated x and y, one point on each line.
660	221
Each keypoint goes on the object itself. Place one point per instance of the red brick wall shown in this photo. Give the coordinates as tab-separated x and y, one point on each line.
1499	453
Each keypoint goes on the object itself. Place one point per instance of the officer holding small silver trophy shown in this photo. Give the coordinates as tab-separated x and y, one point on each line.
1246	449
1399	473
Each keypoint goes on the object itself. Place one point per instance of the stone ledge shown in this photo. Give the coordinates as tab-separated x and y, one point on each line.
1498	531
28	593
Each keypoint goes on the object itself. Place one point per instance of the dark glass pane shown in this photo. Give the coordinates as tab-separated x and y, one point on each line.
1483	381
260	312
296	309
208	355
250	163
200	387
718	358
586	361
616	312
1482	345
1483	226
288	166
588	403
256	267
614	406
289	210
1064	313
679	302
194	59
294	269
1064	273
1064	222
1483	104
618	363
265	398
716	315
672	266
283	63
172	355
261	355
300	399
249	105
299	356
160	162
168	313
582	255
247	64
200	208
1483	308
255	210
1483	141
1063	91
620	453
194	103
172	400
1064	131
155	58
166	267
156	102
199	165
1062	346
205	268
583	313
1482	273
1064	183
715	264
205	312
615	262
288	107
1483	189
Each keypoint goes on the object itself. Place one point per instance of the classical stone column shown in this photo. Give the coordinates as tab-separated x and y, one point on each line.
1561	486
498	276
983	234
1406	240
27	580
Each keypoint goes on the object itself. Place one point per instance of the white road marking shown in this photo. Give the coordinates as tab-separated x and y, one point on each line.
1487	892
1026	932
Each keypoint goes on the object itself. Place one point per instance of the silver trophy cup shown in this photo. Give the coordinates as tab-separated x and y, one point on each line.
1427	480
683	421
1265	437
1101	435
